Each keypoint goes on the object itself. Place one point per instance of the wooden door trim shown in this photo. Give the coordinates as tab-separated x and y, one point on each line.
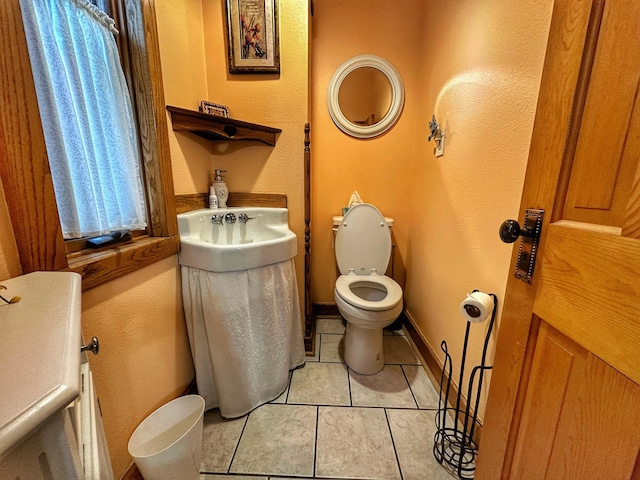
571	25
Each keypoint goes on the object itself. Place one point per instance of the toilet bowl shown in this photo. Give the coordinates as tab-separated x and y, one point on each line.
366	298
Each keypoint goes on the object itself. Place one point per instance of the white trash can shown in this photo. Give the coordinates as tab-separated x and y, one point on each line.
168	443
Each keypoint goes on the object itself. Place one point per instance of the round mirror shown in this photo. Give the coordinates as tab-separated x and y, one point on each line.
365	96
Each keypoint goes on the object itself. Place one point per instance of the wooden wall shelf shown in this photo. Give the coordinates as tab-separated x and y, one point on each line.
213	127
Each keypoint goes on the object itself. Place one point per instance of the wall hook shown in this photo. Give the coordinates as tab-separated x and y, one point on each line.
438	134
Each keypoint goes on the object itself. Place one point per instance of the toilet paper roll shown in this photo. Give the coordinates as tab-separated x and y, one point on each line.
477	307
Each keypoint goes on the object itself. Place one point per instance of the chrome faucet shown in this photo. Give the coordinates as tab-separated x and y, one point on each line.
244	218
230	218
216	219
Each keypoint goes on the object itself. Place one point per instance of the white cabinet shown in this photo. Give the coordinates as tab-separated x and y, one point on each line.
50	425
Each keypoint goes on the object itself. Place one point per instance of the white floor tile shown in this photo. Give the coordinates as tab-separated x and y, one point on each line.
320	384
413	432
219	439
283	396
277	440
297	439
330	325
331	348
213	476
355	443
397	350
387	388
423	390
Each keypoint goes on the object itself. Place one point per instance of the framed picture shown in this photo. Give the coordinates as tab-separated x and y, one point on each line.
252	31
214	109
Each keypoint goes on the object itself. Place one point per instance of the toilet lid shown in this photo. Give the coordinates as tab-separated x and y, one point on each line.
363	241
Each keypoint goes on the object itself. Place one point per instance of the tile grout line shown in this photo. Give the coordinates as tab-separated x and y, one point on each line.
355	406
393	443
235	450
410	389
349	385
286	398
315	448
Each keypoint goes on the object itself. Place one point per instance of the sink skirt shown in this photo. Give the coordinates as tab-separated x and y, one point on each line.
245	332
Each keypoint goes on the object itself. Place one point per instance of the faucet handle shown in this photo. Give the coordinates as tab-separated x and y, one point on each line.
244	218
216	219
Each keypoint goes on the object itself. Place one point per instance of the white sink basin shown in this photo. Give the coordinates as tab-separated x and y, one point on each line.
263	240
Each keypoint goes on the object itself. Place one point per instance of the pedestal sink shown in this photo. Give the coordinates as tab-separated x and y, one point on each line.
241	304
237	238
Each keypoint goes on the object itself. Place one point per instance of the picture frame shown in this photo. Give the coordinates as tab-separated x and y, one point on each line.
214	109
252	36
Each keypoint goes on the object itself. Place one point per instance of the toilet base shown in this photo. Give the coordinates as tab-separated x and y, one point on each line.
363	349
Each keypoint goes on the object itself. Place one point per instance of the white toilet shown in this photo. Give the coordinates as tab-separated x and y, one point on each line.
366	298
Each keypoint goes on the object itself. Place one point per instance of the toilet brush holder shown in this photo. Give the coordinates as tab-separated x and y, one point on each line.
454	445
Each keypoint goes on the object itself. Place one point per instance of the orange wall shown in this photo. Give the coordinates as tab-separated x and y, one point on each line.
193	50
482	82
380	169
144	359
477	66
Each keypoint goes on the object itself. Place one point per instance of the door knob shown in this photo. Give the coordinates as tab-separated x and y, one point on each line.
510	231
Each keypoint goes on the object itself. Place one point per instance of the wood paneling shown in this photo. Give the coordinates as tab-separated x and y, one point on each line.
577	401
541	413
106	265
148	92
196	201
631	223
599	312
24	165
607	152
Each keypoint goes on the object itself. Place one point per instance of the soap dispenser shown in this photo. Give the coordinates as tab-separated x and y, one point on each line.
222	192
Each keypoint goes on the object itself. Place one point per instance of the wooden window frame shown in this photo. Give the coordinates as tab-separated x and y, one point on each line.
24	166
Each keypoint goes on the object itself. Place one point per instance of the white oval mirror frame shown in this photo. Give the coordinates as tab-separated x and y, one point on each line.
397	96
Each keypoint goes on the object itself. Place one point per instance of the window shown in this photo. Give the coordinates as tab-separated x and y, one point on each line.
90	130
24	164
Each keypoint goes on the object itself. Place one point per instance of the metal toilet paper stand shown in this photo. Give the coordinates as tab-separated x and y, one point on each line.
454	444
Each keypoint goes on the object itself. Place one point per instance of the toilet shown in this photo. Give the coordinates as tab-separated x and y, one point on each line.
367	299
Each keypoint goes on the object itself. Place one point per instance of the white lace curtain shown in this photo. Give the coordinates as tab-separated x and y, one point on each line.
87	117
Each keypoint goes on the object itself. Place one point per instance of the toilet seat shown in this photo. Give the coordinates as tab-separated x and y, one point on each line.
393	296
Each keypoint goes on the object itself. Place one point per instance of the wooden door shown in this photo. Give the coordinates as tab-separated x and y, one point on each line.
564	401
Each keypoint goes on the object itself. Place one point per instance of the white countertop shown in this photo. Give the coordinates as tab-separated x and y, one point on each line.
40	341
